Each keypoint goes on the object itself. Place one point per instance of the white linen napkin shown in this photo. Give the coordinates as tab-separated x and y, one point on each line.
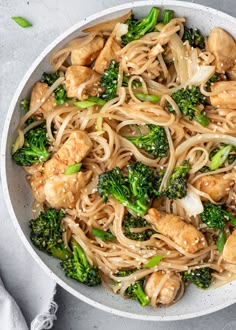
10	314
30	287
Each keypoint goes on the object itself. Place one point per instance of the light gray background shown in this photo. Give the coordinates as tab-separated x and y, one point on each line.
18	49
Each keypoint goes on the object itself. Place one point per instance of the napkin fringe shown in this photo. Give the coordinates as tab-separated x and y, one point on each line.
45	320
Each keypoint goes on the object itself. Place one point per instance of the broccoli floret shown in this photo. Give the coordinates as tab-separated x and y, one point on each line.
109	81
215	216
46	233
138	28
25	104
79	268
154	142
194	37
133	192
135	291
60	92
177	183
131	222
50	78
213	79
142	184
188	101
34	148
200	277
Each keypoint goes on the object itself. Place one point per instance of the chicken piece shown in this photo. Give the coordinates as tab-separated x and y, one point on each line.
37	185
86	54
231	73
63	191
77	75
167	292
109	52
229	251
185	235
223	47
38	92
226	98
214	185
35	169
76	147
230	268
54	166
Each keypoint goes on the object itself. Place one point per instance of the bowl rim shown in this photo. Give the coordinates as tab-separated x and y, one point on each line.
5	132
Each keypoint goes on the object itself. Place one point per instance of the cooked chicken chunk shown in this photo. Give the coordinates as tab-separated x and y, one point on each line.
86	54
230	267
77	75
76	147
231	73
185	235
214	185
54	166
223	47
229	252
109	52
169	289
226	98
37	185
63	191
38	92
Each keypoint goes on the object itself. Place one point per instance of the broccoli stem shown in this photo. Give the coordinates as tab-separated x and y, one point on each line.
141	296
168	14
137	29
78	253
202	119
62	254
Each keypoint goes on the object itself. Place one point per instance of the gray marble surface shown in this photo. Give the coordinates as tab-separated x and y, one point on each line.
18	49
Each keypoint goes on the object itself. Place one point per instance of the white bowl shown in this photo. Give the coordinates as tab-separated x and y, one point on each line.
18	195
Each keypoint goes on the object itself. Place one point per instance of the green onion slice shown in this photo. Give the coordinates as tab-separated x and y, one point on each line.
103	235
153	262
221	241
21	21
147	97
220	157
89	102
72	169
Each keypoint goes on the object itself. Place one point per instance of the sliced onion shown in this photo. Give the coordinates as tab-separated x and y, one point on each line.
191	203
120	30
108	25
202	74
